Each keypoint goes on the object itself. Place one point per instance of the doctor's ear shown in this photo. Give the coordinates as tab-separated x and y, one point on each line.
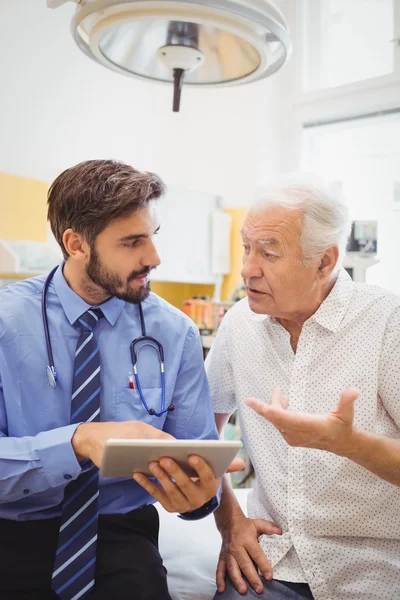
328	262
75	244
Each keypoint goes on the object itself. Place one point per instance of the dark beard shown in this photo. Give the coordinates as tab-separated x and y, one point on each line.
112	285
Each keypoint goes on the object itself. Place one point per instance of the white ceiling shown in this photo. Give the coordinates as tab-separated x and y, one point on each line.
58	107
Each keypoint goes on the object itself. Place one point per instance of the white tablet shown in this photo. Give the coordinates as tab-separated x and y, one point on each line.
122	458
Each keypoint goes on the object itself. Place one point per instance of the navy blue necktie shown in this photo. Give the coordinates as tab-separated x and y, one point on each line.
75	563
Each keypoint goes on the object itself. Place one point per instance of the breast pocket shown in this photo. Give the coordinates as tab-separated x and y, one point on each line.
129	406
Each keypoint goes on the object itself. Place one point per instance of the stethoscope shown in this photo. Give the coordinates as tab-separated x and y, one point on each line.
136	347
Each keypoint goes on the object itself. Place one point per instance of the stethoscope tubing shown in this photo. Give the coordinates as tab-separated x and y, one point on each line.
143	340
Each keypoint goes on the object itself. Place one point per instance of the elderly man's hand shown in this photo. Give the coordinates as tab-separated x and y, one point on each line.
332	432
241	553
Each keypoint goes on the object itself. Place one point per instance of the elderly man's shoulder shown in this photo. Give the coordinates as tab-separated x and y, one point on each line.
375	302
375	294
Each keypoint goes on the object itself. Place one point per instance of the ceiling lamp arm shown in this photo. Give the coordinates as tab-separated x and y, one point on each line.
58	3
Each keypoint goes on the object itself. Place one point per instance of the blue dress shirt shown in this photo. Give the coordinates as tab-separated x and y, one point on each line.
36	457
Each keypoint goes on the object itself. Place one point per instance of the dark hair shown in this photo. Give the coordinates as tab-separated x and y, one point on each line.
88	196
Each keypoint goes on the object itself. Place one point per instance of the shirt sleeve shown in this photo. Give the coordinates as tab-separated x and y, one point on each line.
33	464
219	371
193	417
389	368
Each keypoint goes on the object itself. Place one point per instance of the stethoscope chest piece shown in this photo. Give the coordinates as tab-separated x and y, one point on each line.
52	377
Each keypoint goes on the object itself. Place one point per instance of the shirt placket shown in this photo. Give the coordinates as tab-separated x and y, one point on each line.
295	501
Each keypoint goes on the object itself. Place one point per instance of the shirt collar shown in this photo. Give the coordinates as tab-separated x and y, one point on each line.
331	312
74	306
333	309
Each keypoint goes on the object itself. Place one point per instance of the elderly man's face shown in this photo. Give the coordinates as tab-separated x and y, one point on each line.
276	281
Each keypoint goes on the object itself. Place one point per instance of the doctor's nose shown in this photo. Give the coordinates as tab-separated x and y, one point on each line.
151	258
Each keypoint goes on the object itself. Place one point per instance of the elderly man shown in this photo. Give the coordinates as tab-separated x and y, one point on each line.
321	354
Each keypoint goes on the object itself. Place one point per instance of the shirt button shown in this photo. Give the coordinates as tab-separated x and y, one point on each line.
26	491
67	476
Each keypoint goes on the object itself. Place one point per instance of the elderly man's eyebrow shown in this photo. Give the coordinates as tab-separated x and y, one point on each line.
269	242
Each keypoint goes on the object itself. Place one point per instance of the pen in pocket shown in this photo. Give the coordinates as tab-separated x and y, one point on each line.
131	383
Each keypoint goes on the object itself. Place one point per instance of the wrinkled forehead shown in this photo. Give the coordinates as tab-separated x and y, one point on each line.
272	227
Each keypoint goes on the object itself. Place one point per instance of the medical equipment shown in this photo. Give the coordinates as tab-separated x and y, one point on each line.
191	42
135	348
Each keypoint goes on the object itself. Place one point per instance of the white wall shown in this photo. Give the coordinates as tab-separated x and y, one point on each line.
58	107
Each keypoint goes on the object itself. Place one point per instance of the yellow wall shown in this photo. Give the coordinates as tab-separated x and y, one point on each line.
22	208
234	279
23	217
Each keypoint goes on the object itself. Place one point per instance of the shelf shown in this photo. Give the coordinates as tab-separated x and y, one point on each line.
18	275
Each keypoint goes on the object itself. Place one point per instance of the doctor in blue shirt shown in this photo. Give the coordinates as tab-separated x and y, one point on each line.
65	532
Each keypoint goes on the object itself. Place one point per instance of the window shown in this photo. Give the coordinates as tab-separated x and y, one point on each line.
349	41
364	155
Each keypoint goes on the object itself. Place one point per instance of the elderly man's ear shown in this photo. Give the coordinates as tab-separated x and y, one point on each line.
328	262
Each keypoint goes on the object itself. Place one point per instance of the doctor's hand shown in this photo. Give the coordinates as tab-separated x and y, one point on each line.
177	491
241	554
90	438
332	432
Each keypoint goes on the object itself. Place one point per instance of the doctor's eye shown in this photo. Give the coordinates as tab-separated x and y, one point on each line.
131	244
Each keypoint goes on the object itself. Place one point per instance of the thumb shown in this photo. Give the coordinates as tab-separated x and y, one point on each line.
236	465
266	527
345	408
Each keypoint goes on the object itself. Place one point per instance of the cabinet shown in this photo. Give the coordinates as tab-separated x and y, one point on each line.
184	240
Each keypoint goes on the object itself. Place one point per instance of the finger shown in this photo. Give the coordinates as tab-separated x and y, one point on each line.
345	408
182	482
266	527
258	557
236	575
261	407
284	402
173	491
244	559
236	465
204	471
152	488
257	553
220	575
162	435
276	398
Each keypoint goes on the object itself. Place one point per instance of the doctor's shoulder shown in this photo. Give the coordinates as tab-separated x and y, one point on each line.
20	301
168	315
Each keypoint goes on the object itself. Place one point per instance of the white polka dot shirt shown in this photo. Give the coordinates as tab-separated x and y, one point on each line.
341	523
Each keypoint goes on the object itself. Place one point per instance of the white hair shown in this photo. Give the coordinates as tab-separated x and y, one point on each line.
326	220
